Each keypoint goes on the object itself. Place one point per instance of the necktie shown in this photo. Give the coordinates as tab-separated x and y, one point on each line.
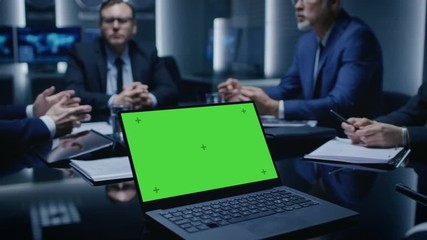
119	65
317	78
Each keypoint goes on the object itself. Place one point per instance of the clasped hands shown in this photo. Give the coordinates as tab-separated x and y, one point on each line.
372	133
63	108
136	94
233	91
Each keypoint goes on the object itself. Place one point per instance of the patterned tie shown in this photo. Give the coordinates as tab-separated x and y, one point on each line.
119	65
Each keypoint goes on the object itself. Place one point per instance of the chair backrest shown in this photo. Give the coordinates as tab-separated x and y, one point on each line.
40	83
392	101
190	92
6	89
173	69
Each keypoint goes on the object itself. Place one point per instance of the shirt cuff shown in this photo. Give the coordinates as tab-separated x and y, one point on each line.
110	101
281	109
405	137
29	111
50	124
153	99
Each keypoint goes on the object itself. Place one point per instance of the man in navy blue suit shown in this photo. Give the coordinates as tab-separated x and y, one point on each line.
51	115
337	65
94	68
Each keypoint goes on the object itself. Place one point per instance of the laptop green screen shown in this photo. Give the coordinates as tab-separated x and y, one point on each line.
187	150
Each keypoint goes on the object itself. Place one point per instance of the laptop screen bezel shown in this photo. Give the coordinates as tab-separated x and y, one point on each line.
200	196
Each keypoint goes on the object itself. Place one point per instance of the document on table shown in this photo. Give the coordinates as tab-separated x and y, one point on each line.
342	150
104	169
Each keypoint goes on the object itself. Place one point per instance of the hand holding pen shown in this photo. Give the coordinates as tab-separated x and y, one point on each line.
351	127
343	120
371	133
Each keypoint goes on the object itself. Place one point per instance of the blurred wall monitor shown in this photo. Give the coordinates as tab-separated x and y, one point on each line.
6	45
46	45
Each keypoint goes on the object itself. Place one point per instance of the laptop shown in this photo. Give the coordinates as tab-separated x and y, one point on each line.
205	172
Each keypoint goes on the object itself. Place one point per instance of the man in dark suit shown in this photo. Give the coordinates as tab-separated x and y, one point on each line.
337	65
94	69
50	116
403	127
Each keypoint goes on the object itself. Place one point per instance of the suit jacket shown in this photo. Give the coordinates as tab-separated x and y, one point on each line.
350	70
87	74
413	115
17	131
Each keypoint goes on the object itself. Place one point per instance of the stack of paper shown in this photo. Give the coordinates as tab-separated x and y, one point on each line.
104	169
343	150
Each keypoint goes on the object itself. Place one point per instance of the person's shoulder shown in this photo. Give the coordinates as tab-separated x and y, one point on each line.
354	22
146	47
352	28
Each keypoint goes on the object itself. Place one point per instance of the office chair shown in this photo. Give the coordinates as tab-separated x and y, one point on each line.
6	89
40	83
190	92
173	69
392	101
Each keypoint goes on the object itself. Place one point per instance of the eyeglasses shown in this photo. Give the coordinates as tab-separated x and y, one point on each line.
295	1
111	20
302	1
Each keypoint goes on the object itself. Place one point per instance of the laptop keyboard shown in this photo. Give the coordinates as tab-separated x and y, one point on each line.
223	212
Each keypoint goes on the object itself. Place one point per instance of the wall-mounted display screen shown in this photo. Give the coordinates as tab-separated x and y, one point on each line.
6	45
46	45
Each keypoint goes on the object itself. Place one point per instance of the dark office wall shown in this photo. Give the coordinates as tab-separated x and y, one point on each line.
400	27
249	17
12	13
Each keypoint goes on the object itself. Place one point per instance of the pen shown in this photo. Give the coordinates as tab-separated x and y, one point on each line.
407	191
341	118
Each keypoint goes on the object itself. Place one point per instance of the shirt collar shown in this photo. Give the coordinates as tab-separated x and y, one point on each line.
325	38
111	56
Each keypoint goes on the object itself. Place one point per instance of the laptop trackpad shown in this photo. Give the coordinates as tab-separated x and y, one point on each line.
272	225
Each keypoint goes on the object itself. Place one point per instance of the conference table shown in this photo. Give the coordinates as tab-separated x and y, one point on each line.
42	202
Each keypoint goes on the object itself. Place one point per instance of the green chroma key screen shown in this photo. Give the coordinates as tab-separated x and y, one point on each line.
188	150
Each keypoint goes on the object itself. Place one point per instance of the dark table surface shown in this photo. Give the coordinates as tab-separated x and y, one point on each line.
41	202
